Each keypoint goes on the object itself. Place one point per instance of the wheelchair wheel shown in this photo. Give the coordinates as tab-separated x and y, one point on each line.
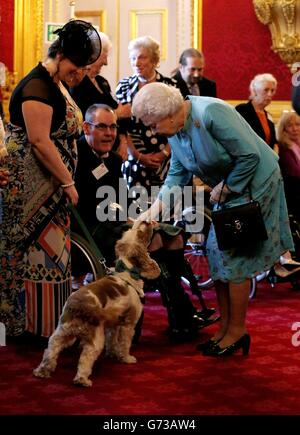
196	255
195	251
84	261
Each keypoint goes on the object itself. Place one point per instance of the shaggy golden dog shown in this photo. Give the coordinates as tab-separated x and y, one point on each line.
105	312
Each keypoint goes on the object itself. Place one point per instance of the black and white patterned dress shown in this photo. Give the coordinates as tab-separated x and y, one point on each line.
143	139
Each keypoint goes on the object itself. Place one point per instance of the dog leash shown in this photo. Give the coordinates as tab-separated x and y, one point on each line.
96	251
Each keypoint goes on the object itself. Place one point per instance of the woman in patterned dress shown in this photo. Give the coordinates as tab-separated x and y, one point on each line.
149	152
35	276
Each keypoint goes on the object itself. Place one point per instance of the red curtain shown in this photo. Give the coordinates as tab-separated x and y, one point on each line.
7	33
237	47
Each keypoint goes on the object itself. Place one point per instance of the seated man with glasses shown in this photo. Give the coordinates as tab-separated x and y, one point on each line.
99	166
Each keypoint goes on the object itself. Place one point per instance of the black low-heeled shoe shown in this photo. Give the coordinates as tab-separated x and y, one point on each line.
203	322
242	343
203	347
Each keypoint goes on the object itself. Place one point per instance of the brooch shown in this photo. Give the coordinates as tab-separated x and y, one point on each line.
196	123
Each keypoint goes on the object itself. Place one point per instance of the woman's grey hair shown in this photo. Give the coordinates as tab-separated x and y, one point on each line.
151	44
281	133
90	113
155	102
258	81
105	41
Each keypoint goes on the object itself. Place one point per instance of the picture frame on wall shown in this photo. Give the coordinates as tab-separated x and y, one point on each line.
50	28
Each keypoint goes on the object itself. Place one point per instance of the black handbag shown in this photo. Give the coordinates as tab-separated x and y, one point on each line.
239	226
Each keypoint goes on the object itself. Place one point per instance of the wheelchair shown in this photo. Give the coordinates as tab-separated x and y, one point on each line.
273	275
195	251
92	266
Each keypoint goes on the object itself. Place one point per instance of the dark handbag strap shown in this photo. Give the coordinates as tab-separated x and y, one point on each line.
96	251
221	204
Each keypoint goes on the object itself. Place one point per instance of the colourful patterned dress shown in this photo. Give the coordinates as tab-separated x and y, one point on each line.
35	275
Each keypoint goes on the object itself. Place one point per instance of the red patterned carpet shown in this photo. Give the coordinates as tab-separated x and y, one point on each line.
171	379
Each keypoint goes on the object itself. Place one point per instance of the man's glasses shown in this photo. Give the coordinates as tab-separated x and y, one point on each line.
103	127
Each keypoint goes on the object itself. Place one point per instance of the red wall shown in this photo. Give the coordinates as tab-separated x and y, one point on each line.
237	47
7	32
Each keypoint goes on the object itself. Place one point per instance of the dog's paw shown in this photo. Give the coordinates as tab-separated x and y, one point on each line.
82	382
130	359
42	372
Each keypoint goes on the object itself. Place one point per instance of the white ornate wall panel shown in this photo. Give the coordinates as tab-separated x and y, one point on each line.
151	22
156	18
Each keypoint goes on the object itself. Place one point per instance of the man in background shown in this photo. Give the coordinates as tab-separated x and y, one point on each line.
190	77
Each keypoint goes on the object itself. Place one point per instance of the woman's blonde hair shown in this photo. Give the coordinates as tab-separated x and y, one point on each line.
151	44
281	133
258	80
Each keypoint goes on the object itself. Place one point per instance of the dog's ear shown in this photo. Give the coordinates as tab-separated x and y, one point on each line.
149	269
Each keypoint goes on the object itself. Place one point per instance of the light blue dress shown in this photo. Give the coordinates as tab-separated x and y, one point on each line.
216	143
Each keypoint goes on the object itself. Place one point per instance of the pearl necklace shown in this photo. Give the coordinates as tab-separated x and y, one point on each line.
143	80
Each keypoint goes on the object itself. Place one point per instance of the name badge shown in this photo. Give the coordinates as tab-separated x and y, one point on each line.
100	171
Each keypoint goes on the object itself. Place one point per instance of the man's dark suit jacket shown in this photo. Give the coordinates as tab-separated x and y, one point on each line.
248	113
104	233
86	183
207	88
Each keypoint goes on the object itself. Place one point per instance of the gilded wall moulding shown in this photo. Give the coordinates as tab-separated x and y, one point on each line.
283	19
263	10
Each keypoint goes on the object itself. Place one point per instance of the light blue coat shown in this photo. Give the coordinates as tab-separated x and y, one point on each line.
216	143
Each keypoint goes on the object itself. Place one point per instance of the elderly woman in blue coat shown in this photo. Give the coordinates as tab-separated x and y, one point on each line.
211	140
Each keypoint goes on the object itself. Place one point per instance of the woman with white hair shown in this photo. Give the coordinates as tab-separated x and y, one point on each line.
95	89
210	140
149	152
262	90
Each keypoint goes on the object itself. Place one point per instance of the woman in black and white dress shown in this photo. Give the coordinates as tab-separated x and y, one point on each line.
149	153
